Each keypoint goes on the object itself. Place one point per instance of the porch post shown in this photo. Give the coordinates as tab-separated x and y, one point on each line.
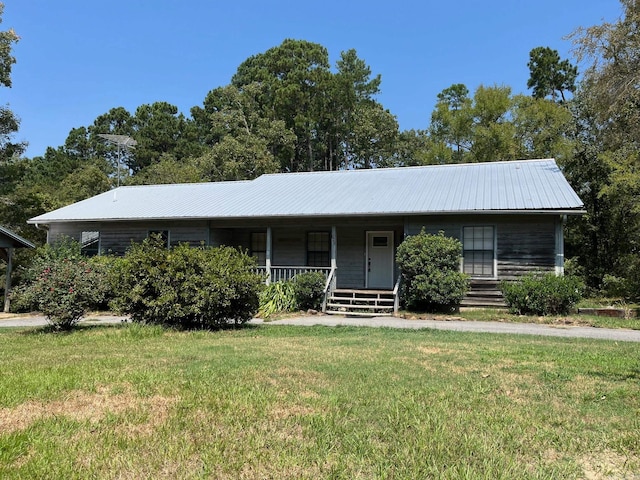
7	286
334	247
560	245
268	256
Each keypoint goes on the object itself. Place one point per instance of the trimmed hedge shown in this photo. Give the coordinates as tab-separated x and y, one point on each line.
542	294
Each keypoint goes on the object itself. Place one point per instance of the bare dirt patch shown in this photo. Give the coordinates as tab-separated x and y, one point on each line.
608	466
85	406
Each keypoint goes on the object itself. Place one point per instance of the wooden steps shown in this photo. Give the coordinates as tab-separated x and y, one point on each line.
483	293
361	303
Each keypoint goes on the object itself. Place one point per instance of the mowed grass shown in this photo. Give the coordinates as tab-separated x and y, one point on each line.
288	402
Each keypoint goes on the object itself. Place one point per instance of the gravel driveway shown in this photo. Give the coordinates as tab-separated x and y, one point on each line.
618	335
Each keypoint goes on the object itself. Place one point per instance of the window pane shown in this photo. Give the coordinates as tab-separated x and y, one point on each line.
478	250
380	241
90	243
258	242
318	249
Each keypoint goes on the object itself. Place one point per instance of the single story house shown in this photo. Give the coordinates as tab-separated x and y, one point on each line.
8	242
509	217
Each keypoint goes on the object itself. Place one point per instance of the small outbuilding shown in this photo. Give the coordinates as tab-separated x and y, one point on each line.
8	242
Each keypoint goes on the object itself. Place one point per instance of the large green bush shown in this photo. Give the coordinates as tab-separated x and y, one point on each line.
542	294
62	284
188	287
430	269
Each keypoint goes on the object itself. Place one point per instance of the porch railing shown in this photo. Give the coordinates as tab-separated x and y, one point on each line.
329	287
280	274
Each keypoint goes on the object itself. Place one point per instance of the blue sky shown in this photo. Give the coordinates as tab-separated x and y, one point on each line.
77	59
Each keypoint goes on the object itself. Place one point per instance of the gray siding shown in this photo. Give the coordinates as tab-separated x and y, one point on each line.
116	237
524	243
524	248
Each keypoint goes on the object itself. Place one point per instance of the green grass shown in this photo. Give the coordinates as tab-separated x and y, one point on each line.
501	315
288	402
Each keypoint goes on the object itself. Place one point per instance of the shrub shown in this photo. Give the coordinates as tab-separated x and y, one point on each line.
277	297
62	284
429	265
187	287
627	285
542	294
309	290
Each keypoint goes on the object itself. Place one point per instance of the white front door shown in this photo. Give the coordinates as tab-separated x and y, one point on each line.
380	260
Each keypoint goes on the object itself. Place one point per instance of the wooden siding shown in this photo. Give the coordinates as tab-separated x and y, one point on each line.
524	243
525	248
116	237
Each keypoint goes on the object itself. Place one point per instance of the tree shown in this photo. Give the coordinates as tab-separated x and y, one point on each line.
452	122
159	129
605	170
543	129
373	136
294	77
169	170
478	129
321	108
9	123
550	76
243	142
612	51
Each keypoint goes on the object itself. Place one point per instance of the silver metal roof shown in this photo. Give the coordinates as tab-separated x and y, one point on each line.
12	239
497	187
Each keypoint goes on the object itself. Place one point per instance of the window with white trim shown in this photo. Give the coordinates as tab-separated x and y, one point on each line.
478	245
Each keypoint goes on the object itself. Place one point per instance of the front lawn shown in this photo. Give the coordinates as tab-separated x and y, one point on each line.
128	401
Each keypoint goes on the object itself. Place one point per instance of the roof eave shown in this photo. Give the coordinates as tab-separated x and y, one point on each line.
559	211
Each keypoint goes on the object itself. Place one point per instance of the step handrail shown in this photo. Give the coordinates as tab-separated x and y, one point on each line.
396	295
329	286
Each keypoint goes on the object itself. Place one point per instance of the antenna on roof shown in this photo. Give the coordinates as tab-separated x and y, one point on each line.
123	142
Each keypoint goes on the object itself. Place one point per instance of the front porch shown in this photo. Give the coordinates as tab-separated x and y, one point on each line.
335	301
356	260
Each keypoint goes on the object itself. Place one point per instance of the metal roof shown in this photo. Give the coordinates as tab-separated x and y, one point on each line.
497	187
7	237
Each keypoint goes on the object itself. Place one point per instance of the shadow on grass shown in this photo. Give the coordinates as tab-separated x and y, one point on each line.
87	327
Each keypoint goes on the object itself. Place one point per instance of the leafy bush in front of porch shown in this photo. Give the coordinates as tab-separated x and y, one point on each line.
62	284
302	292
542	294
430	269
277	297
188	287
309	290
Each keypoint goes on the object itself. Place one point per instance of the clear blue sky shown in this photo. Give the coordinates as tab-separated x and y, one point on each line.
79	58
